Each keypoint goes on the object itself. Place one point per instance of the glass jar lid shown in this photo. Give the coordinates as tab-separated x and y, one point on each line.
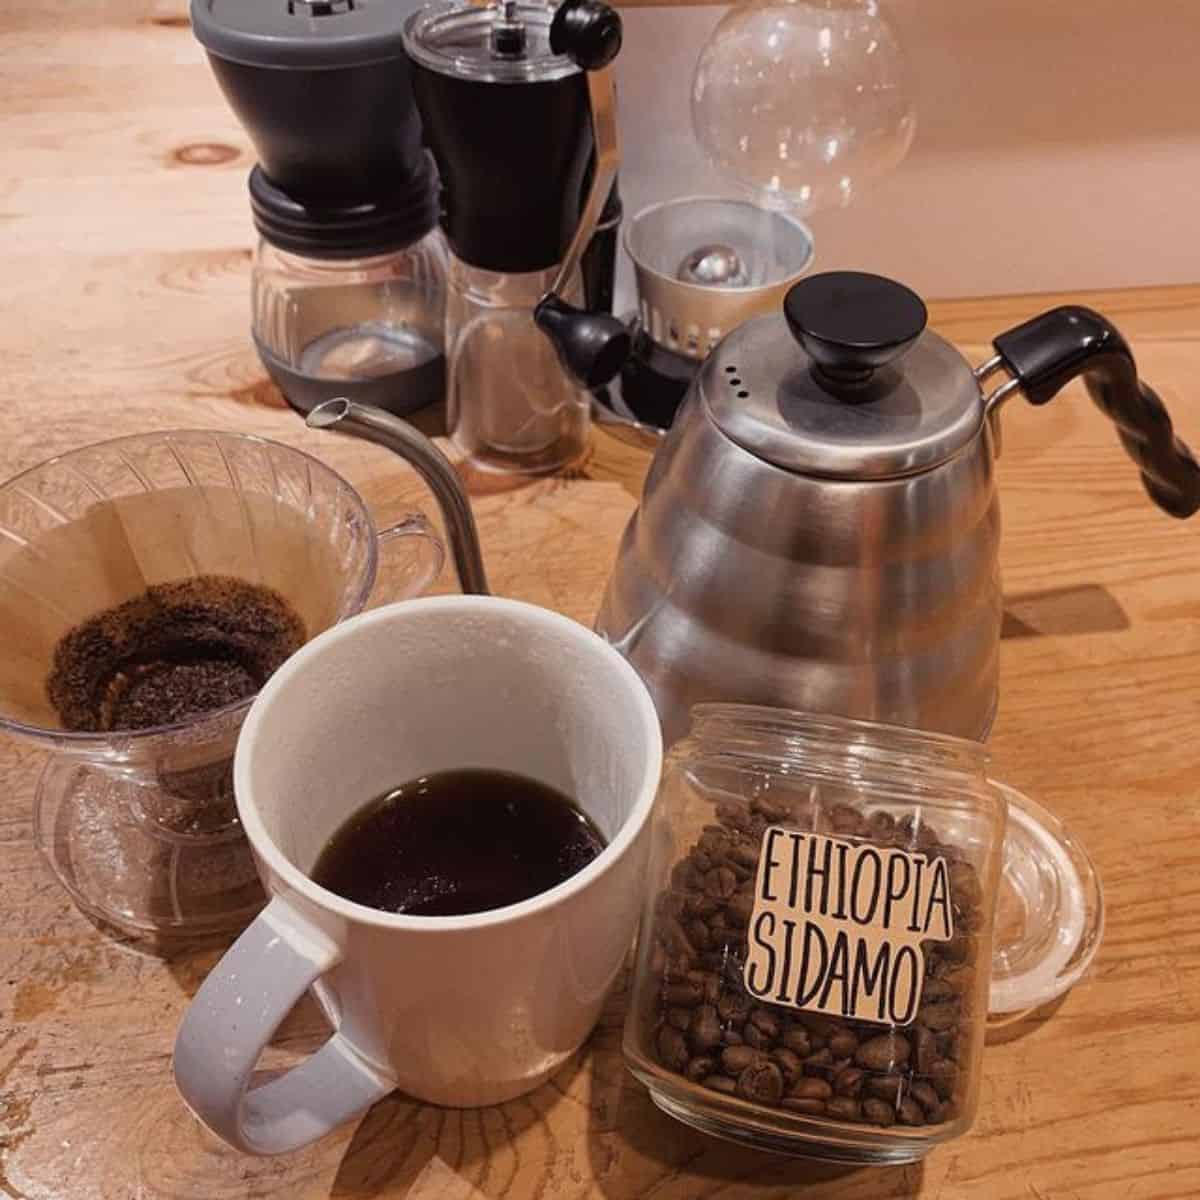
507	42
1049	911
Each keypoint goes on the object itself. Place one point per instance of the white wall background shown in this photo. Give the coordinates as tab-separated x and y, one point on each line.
1057	147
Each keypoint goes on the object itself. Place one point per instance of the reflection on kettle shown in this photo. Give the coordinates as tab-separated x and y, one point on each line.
820	529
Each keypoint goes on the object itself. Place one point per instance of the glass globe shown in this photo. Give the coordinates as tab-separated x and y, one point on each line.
800	102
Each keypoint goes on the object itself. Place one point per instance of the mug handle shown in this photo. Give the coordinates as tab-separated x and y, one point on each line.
232	1018
431	556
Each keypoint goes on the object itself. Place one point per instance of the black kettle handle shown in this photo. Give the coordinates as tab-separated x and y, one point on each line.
1044	354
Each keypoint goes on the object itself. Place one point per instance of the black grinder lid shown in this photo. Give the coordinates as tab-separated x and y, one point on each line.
308	34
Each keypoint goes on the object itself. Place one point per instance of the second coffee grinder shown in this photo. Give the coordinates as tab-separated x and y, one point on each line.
517	104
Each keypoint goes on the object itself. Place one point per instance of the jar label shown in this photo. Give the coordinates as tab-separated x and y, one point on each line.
837	928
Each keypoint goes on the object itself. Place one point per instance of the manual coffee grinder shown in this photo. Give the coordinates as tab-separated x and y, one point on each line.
517	104
348	285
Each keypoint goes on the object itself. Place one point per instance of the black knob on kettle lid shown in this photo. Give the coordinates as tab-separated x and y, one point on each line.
852	323
586	31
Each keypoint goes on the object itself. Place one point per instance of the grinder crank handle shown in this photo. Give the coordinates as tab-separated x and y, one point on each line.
592	347
1044	354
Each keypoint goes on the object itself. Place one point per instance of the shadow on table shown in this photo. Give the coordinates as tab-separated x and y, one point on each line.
1023	1024
1062	612
591	1130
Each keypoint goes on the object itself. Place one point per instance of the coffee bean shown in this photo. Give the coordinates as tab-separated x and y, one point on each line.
731	1037
675	939
958	948
821	1062
819	1025
699	904
738	909
926	1097
734	813
735	1059
700	1068
884	1087
878	1112
766	1021
698	934
679	1017
734	1006
843	1044
797	1041
847	821
755	1037
704	1027
936	989
849	1081
721	1083
844	1108
810	1108
924	1048
771	810
672	1048
883	1053
715	842
881	826
761	1081
745	854
908	1112
789	1064
943	1074
808	1088
677	969
685	994
940	1016
948	1044
720	883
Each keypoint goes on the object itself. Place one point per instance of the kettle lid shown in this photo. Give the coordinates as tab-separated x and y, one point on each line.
306	34
846	383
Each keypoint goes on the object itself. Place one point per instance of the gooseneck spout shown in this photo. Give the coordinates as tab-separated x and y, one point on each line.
375	425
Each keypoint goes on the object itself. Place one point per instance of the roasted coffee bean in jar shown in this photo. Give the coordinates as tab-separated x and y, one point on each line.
813	964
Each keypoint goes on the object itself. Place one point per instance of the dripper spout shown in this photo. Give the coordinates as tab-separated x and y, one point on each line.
374	425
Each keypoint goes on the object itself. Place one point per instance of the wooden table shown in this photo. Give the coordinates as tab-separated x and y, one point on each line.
126	249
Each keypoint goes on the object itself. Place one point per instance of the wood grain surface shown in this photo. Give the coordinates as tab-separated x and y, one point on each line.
124	307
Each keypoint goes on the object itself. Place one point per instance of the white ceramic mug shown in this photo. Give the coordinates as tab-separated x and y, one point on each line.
460	1011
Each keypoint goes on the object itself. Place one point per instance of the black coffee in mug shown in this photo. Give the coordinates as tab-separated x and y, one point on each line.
458	842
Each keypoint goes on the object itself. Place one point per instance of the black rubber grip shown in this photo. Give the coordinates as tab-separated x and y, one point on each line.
1047	352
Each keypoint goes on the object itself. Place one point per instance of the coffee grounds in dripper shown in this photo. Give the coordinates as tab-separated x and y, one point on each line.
174	652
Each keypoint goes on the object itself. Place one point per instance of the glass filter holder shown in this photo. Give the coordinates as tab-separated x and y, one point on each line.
139	825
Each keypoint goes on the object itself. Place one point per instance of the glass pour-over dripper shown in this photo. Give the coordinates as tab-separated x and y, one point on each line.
139	824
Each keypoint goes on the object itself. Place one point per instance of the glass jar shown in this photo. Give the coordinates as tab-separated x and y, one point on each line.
510	405
812	971
369	328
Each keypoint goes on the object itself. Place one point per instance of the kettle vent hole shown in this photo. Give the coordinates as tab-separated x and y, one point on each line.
735	382
731	370
743	395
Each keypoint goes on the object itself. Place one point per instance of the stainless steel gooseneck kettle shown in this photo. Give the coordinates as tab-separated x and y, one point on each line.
820	528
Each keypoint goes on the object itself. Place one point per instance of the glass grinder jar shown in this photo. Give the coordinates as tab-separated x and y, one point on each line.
516	100
812	972
348	286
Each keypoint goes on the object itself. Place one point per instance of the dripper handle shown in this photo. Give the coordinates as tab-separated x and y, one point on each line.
592	347
1044	354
